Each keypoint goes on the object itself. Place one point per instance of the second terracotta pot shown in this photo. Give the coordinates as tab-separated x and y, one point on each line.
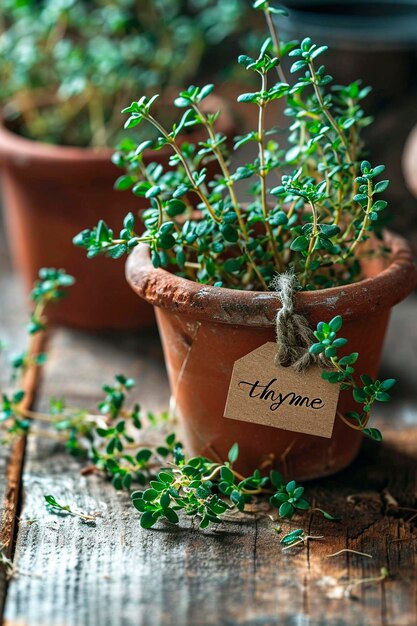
204	330
51	193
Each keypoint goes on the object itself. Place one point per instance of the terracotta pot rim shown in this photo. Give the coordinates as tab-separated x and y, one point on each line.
16	148
258	308
14	145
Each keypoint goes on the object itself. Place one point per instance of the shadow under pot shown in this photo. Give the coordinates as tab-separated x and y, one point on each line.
50	194
205	329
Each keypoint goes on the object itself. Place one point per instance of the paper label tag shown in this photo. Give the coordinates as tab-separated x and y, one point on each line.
264	393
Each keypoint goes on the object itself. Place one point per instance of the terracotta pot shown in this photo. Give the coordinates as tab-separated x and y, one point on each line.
204	330
53	192
409	161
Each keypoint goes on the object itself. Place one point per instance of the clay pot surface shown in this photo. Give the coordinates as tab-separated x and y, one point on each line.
50	194
409	161
204	330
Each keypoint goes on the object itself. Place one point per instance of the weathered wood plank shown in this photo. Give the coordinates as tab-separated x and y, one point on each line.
12	317
400	362
117	573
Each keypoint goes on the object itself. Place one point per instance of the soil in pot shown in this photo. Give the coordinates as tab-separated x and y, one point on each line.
51	193
204	330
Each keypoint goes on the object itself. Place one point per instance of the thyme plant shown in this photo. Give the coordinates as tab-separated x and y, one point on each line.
67	66
312	201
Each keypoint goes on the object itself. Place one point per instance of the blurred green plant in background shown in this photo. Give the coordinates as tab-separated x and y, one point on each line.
68	66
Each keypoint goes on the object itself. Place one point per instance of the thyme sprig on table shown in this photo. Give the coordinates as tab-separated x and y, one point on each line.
50	287
297	537
309	207
105	436
56	507
209	491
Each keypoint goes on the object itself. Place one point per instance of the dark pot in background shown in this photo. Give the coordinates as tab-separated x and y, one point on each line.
50	194
409	166
375	40
370	39
204	330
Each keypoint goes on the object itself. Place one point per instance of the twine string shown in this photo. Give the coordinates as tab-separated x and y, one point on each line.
294	335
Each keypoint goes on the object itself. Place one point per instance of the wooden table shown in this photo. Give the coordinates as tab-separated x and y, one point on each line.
115	573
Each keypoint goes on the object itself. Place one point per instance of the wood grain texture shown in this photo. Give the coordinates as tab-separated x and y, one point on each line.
400	362
115	573
12	316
